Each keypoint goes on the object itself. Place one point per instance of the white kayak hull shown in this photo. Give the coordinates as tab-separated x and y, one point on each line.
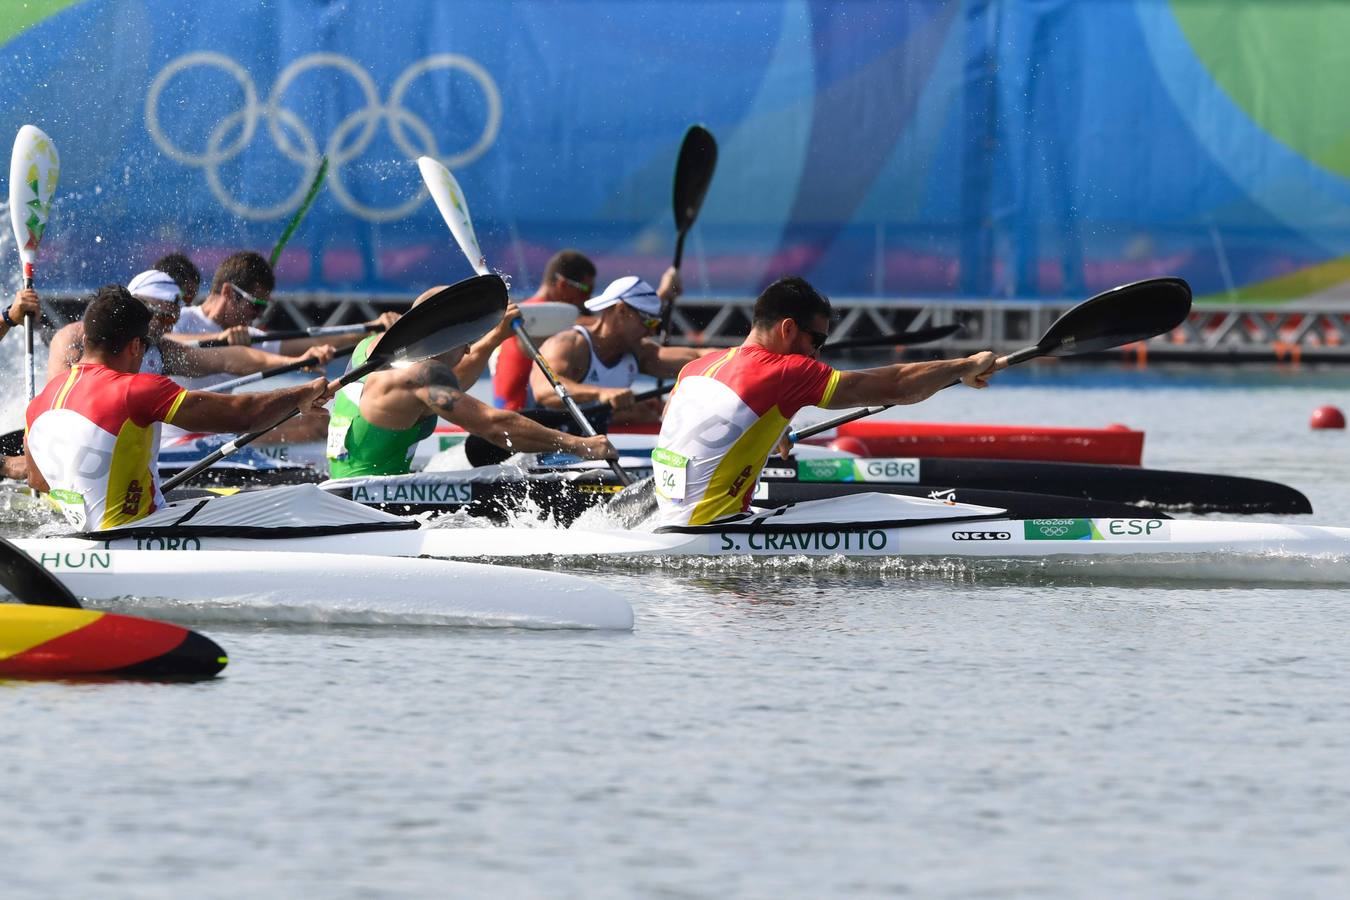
1209	549
274	583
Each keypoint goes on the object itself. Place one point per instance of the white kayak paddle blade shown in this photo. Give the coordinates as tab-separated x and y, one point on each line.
543	320
449	198
34	168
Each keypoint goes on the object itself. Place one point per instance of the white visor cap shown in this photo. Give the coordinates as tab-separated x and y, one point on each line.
629	289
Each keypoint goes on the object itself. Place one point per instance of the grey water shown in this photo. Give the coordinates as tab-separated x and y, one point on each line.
764	731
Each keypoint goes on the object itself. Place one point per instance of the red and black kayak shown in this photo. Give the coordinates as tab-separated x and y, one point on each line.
1113	445
60	642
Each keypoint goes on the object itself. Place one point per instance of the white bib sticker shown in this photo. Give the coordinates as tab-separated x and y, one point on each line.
671	472
337	437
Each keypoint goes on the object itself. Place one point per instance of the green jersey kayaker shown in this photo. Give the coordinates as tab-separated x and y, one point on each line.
377	422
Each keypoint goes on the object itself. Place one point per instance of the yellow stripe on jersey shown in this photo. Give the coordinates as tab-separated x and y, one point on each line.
739	469
178	401
131	488
711	371
61	395
829	389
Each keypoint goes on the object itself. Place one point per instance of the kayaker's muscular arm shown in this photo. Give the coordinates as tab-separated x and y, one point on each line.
911	382
666	362
469	369
242	336
437	392
194	361
65	349
569	357
214	412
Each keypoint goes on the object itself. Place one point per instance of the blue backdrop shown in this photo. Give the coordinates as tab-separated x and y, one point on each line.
932	148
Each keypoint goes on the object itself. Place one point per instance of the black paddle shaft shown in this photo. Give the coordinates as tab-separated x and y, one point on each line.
561	390
1122	315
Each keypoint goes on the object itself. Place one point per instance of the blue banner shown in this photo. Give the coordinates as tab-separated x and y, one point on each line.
1041	148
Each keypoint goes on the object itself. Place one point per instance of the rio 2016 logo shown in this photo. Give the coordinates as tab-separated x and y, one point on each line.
295	139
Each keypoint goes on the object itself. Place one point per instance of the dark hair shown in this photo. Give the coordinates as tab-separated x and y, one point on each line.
114	319
790	297
248	270
571	264
184	274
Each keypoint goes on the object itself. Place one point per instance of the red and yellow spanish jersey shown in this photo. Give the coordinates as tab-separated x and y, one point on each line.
725	416
94	434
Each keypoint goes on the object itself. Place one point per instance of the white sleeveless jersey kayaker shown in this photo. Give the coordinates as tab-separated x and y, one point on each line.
726	414
620	375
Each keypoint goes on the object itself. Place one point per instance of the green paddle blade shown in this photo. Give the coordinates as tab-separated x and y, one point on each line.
23	577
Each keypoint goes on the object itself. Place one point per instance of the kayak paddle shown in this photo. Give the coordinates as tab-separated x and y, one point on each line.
300	213
316	331
693	176
449	199
458	315
1122	315
34	167
29	582
275	370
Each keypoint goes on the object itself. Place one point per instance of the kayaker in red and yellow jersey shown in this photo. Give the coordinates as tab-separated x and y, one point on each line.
729	410
93	432
569	277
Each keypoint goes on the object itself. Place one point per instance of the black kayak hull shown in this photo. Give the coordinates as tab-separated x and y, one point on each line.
1154	488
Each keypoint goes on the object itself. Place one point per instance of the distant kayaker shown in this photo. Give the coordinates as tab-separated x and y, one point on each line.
728	410
378	421
569	277
164	296
241	290
93	432
598	361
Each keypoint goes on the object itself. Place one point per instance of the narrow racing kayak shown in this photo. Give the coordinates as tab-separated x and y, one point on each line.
278	584
56	642
875	527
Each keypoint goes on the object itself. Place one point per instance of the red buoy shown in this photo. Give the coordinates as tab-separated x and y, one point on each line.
852	445
1327	417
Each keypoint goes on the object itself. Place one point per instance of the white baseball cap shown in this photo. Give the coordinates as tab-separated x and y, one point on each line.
157	286
629	289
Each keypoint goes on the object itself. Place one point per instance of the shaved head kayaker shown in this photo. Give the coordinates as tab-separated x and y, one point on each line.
598	361
378	421
728	410
93	432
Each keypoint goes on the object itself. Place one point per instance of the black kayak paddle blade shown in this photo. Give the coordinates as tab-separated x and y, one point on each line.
25	578
458	315
1122	315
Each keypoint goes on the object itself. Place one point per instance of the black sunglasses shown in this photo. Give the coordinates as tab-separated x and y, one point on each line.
818	338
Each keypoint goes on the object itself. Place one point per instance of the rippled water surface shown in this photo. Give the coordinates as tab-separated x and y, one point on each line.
764	731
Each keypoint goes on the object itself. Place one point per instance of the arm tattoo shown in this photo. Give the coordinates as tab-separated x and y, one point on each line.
441	385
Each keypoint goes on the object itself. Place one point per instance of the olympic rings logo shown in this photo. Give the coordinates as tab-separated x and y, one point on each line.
1053	530
297	142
